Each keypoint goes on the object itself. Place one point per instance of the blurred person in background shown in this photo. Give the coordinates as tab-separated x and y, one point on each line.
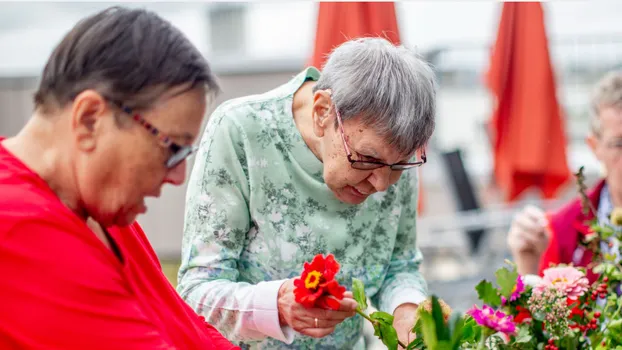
120	102
537	239
325	163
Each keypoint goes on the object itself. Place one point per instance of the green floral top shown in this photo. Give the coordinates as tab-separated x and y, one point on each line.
257	208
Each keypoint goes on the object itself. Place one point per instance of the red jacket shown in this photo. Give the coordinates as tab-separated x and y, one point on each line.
61	288
567	225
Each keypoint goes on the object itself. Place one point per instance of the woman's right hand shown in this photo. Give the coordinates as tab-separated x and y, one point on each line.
303	320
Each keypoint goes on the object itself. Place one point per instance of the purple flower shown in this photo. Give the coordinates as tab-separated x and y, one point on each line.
495	320
518	288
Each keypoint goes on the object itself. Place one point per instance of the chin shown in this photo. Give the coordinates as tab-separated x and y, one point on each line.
348	198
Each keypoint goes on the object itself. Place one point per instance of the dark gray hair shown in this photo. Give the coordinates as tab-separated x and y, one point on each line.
606	94
128	55
390	87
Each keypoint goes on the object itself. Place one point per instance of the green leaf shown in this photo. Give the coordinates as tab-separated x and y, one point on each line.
488	294
358	290
506	280
416	344
382	316
428	329
442	331
523	336
471	331
456	329
383	329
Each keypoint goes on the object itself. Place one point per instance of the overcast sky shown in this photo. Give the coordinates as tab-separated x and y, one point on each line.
29	31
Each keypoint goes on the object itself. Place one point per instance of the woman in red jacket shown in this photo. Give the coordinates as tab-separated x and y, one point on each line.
538	240
119	105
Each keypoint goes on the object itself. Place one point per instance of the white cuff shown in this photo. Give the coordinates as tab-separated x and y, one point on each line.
266	312
404	296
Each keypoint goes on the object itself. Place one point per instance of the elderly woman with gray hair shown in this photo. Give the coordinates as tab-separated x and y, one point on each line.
325	163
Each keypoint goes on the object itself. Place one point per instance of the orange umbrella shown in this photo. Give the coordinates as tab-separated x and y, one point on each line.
527	125
342	21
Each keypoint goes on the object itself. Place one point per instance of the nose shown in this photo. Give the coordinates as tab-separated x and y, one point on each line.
381	179
177	175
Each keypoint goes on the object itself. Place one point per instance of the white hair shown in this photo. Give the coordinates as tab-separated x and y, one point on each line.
606	94
390	87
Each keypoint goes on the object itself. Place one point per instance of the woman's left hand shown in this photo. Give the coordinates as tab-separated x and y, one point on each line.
403	322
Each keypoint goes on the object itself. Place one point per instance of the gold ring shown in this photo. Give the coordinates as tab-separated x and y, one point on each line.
316	323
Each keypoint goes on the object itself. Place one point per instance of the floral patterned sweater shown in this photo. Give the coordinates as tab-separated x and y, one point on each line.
257	208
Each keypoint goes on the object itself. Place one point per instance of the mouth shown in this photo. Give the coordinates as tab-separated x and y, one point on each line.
358	193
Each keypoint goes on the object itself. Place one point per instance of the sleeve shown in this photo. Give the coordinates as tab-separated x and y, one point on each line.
217	220
404	282
551	254
62	291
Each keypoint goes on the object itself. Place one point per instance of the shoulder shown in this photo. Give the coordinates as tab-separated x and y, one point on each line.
249	112
572	210
253	113
25	202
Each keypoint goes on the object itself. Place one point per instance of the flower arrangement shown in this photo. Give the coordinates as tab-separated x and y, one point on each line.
560	310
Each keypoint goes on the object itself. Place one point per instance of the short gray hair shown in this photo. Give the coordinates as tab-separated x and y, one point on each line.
390	87
606	94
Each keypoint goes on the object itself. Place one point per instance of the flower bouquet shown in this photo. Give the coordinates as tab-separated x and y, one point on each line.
560	310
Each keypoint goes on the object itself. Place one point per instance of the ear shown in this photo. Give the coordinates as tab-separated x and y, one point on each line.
87	114
321	112
593	142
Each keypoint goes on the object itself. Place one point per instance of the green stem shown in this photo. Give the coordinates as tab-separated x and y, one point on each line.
364	315
482	343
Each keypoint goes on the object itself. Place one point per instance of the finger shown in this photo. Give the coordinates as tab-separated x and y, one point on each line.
321	323
316	332
528	223
321	314
348	304
536	214
348	294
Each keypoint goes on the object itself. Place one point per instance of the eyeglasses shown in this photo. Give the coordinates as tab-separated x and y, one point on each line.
370	165
179	153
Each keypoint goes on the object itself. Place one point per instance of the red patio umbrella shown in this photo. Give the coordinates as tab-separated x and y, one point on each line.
527	125
342	21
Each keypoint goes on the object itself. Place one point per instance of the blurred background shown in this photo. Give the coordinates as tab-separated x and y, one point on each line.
256	46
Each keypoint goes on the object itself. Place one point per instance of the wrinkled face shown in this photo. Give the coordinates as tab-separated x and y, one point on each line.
117	167
351	185
607	146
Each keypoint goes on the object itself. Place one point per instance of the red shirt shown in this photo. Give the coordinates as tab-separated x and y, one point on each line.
567	226
62	288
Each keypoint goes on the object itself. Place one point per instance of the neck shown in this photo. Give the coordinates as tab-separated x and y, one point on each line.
616	195
40	146
302	108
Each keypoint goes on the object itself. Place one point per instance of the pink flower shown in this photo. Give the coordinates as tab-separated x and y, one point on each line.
495	320
566	279
518	289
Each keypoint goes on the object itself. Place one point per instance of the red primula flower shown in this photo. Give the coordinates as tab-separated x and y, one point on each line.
576	310
317	284
523	315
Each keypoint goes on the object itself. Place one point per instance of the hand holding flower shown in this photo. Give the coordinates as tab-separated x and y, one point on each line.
315	303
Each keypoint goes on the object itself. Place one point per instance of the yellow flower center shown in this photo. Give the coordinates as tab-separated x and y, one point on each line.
560	279
514	289
313	279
